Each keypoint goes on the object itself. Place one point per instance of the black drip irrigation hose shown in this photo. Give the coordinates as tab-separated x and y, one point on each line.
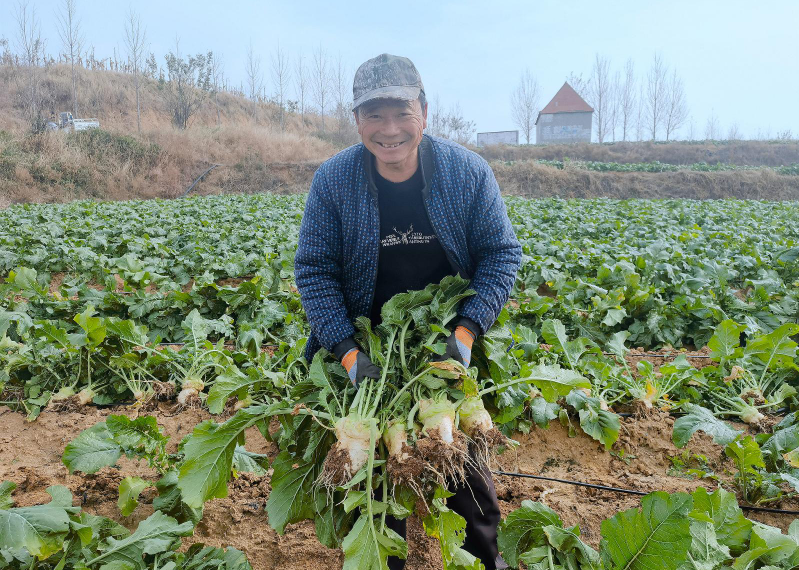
199	178
226	344
656	355
627	491
678	414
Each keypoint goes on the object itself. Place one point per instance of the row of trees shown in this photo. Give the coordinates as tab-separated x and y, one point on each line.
319	85
182	89
628	107
625	107
324	82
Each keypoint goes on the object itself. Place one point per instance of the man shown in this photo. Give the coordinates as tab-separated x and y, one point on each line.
395	213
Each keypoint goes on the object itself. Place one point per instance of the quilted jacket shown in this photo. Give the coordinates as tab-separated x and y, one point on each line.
335	266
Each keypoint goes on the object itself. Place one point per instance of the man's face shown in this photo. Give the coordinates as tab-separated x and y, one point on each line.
392	130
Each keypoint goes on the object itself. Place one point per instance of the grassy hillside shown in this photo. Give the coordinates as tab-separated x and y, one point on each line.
117	163
254	154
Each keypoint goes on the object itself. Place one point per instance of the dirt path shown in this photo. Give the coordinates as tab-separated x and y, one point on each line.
30	455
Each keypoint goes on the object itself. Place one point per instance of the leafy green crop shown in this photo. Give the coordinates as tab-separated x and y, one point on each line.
700	531
57	535
596	275
89	292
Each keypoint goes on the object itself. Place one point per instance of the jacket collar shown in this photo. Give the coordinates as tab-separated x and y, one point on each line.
425	162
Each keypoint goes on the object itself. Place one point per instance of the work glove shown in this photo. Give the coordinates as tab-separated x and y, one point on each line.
358	367
459	343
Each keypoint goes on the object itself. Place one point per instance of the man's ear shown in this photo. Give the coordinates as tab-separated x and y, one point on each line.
424	116
357	120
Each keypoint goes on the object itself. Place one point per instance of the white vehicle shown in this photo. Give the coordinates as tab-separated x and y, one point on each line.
67	123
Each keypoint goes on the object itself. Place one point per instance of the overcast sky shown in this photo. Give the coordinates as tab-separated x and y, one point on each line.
738	59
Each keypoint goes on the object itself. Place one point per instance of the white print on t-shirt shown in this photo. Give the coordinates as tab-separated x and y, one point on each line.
408	237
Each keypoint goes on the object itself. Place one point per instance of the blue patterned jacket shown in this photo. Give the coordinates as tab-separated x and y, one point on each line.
336	261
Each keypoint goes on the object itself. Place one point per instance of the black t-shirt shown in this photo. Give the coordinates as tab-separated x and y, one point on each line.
411	257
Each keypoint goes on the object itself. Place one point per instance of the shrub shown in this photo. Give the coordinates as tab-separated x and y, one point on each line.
102	145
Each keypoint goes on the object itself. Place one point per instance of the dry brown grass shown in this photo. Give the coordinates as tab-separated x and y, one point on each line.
53	167
537	181
230	145
56	167
752	153
111	97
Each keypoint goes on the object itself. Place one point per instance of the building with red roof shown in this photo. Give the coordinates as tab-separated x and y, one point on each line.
565	119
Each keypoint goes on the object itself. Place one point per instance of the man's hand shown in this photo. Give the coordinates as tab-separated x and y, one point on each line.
358	367
459	346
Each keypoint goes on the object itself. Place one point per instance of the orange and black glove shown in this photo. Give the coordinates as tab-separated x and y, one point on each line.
459	343
356	363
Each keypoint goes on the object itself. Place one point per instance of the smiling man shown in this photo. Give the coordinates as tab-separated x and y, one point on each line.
396	213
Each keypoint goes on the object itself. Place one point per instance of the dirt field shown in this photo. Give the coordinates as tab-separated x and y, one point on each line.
30	455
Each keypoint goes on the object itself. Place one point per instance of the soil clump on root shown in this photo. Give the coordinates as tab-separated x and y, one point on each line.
407	470
69	404
445	461
337	468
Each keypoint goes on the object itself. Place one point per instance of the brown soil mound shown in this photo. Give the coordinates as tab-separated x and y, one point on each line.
30	455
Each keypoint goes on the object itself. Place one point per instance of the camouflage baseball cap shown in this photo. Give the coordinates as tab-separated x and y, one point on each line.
386	77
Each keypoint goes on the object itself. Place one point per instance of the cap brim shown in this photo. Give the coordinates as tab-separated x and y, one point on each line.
403	93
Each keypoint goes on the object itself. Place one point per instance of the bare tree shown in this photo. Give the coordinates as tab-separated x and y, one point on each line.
524	103
691	130
320	81
457	127
186	86
626	98
135	38
254	79
280	78
31	53
435	122
449	124
656	95
640	119
217	83
342	95
301	84
72	41
5	56
615	105
599	94
676	108
734	134
712	131
580	85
